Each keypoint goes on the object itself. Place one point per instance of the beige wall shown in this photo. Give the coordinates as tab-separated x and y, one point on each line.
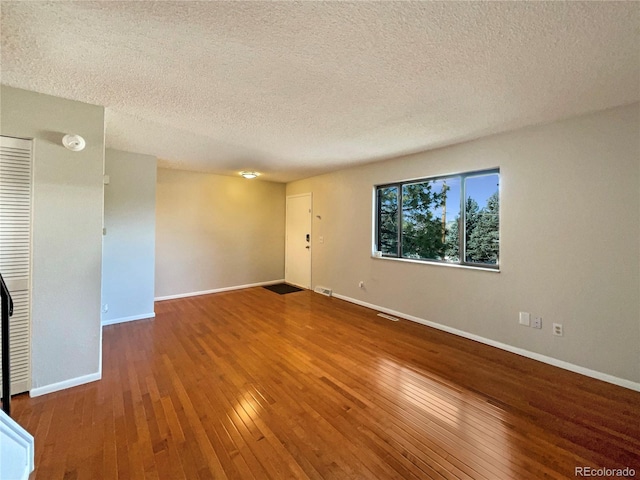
570	223
128	253
67	234
216	232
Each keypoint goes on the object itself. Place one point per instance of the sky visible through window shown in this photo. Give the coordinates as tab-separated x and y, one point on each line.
479	188
422	219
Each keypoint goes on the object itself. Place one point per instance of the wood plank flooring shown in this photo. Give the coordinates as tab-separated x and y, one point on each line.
254	385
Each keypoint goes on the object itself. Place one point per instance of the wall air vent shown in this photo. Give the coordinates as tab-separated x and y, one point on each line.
323	291
388	317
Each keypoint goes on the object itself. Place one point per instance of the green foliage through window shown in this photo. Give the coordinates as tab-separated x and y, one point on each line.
388	220
423	219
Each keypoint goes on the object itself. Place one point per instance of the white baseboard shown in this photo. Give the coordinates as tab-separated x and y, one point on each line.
218	290
128	319
605	377
72	382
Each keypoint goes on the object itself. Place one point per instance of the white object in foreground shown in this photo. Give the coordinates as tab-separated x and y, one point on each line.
16	450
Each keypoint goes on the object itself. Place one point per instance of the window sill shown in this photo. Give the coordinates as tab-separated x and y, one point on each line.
437	264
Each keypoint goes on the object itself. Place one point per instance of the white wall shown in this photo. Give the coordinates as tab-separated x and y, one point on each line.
570	223
128	254
67	234
215	232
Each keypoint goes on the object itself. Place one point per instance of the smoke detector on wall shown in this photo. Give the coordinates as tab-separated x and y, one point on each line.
75	143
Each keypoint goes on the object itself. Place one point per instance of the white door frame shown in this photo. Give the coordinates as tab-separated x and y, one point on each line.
287	228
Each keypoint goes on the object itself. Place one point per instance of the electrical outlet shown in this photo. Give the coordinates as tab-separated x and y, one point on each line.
361	284
537	322
525	319
105	308
558	331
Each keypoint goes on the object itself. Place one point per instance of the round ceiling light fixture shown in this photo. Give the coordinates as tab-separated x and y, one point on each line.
75	143
249	174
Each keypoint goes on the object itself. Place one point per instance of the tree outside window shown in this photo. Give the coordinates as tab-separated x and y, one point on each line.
422	220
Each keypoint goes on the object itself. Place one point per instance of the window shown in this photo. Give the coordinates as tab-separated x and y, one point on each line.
452	219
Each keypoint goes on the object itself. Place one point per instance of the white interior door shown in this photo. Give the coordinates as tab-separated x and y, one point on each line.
15	252
298	241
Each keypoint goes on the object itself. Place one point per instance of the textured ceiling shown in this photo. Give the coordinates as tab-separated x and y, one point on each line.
294	89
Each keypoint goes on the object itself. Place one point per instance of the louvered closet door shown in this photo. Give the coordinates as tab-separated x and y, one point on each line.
15	252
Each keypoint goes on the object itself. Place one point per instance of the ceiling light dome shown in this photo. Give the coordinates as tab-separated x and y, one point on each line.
249	174
75	143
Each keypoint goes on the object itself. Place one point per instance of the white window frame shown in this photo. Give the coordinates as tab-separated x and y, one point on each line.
461	226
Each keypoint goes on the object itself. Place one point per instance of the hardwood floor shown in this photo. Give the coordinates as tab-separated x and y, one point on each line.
251	384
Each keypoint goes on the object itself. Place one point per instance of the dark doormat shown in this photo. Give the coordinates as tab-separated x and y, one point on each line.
282	288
